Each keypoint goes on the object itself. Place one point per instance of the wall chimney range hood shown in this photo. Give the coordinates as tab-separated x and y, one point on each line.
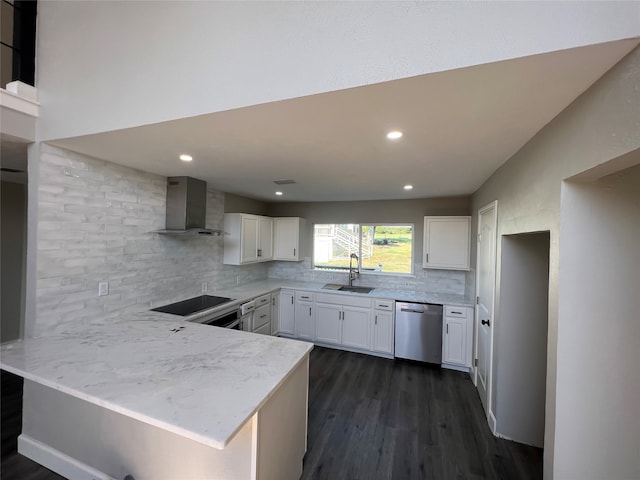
187	207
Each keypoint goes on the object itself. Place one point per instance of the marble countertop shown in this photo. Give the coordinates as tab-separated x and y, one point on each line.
200	382
243	293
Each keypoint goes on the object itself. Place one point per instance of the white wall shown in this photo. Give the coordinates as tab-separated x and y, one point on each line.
600	125
519	386
94	221
144	62
598	393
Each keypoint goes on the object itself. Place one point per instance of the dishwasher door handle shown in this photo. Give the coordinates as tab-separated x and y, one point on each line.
411	310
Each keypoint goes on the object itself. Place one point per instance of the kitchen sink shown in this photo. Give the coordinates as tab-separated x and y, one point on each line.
347	288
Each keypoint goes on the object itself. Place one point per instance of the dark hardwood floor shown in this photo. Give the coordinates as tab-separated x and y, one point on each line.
369	418
372	418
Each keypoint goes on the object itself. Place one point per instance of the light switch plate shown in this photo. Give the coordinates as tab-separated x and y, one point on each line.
103	289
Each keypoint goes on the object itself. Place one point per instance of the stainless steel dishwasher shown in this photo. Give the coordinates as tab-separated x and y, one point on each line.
419	332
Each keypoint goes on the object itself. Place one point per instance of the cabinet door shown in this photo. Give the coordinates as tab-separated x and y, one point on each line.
383	331
275	314
355	327
446	242
286	238
287	313
455	345
305	326
328	322
265	239
249	239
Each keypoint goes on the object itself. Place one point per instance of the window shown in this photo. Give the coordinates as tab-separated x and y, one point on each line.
380	248
18	41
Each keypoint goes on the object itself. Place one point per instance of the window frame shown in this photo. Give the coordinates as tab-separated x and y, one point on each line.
359	253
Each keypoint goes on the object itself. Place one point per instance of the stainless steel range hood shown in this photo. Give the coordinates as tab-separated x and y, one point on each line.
187	207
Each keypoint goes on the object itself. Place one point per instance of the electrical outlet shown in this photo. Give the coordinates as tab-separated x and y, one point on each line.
204	287
103	289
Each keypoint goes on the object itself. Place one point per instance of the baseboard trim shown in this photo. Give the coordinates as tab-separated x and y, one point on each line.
57	461
455	367
492	423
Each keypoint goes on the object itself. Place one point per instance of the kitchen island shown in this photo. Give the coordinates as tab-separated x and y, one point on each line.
157	398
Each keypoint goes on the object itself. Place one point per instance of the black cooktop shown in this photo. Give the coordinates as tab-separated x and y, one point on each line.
192	305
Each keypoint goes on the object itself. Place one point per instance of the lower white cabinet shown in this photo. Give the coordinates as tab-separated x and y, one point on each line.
356	324
286	313
304	319
457	335
383	327
328	323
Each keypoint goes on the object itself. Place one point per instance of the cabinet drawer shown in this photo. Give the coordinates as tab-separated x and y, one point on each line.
263	300
261	316
304	296
460	312
384	305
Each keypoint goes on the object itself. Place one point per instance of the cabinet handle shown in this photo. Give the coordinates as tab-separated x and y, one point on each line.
426	258
294	252
447	329
262	316
459	313
273	301
376	319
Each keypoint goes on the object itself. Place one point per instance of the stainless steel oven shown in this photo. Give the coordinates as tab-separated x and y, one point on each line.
227	319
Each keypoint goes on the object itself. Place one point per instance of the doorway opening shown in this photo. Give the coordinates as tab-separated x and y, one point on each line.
520	341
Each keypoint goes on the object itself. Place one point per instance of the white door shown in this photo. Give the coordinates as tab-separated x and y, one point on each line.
249	239
485	288
305	328
287	313
383	332
286	238
356	322
265	238
454	351
328	323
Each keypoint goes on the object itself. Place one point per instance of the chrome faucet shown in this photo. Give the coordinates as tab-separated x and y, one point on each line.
353	272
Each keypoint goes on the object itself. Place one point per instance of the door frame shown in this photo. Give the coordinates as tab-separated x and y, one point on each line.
476	322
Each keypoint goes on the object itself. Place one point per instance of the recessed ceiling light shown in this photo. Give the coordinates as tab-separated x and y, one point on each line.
186	158
278	193
408	187
394	135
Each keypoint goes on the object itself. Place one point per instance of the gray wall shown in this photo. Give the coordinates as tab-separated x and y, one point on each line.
236	204
94	223
13	217
519	387
598	393
601	125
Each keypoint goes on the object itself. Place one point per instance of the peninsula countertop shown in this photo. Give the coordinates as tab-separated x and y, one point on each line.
200	382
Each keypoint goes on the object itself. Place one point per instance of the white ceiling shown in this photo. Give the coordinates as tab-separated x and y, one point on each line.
459	127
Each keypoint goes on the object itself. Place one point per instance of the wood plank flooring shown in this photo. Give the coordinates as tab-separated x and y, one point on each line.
369	418
372	418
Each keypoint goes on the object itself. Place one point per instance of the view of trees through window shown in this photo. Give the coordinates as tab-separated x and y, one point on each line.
380	248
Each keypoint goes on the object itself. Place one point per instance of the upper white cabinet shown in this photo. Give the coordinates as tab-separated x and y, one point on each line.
249	239
288	238
446	243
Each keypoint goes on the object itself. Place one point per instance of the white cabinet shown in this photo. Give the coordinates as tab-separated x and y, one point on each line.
275	313
286	313
457	334
383	327
356	324
328	323
343	320
446	243
249	239
304	319
289	238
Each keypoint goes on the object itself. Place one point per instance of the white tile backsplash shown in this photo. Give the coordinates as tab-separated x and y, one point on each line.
95	223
